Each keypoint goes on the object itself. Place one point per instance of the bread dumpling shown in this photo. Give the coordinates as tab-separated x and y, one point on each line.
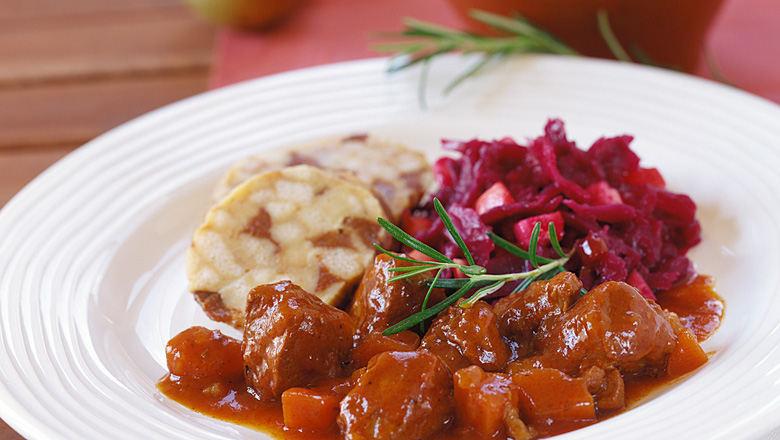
313	227
398	175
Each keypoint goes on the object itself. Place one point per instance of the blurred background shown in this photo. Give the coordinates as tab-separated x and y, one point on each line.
73	69
70	70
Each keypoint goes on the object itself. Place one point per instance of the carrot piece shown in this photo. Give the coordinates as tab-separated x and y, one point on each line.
687	355
312	409
482	399
376	343
553	402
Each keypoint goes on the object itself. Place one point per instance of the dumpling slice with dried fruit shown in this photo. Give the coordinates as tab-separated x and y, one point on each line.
395	173
313	227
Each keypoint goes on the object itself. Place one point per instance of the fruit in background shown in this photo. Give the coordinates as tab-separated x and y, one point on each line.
243	14
667	33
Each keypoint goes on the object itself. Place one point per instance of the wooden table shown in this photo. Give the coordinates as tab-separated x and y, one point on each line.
71	70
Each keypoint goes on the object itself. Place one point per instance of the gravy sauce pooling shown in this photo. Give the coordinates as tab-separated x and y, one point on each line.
207	375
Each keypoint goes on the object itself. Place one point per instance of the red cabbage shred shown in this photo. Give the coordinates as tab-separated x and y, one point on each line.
622	222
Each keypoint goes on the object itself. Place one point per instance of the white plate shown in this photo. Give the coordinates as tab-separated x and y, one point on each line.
92	280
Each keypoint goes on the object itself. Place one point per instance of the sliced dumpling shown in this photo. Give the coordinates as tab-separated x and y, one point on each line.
397	174
313	227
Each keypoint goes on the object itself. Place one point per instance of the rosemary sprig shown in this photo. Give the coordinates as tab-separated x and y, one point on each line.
605	29
476	276
422	41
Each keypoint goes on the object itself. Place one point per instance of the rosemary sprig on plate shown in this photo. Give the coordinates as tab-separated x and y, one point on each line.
476	276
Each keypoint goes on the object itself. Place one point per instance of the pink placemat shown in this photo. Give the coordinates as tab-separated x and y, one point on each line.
744	39
321	32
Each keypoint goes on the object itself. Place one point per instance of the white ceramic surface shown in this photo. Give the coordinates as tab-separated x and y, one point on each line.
92	281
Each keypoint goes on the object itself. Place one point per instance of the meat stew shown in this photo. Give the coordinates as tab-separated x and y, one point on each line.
534	364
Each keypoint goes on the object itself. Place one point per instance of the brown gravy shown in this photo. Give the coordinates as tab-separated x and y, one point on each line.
227	397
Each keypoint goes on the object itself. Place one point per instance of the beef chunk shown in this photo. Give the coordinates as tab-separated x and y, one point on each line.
611	326
468	336
292	338
520	314
378	303
401	395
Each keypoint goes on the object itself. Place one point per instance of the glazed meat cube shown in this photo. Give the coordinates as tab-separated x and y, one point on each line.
468	336
401	395
292	338
611	326
378	304
521	313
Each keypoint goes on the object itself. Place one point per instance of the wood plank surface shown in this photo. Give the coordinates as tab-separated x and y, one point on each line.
13	10
73	69
6	433
114	43
69	114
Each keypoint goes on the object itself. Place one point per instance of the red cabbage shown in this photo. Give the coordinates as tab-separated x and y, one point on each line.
617	215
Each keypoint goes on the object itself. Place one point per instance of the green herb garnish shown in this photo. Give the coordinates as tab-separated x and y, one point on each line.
476	276
605	29
423	41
